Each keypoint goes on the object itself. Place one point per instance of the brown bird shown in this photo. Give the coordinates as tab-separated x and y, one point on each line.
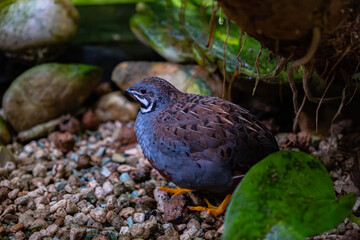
200	143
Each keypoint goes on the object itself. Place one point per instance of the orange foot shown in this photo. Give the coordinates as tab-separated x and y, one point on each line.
175	191
213	210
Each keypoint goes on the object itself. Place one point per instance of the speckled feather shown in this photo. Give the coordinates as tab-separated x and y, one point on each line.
199	142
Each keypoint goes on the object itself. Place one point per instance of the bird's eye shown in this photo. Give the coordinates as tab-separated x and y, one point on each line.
142	90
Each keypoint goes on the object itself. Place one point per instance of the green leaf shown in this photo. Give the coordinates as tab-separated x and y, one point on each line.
288	195
160	25
157	25
106	2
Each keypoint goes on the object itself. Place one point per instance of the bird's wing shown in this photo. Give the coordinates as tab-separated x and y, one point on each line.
208	128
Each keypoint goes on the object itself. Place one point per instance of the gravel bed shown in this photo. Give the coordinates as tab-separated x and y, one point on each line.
97	185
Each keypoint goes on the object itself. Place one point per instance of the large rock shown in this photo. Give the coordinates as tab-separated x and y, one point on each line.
5	156
4	132
36	29
46	91
186	78
114	106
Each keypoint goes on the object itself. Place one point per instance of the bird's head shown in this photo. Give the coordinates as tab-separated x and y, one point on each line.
153	93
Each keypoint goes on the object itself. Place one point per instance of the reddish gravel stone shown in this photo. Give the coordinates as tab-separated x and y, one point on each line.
175	210
65	142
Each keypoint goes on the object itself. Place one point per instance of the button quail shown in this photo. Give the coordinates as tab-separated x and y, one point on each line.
200	143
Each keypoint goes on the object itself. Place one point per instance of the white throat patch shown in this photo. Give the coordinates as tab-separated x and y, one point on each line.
148	109
143	101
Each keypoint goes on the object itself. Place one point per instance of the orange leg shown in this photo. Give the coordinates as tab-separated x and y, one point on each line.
213	210
175	191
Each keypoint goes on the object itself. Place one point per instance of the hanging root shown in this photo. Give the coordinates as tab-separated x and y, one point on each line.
239	64
306	82
355	83
212	25
343	96
296	119
224	55
302	61
344	53
257	64
320	102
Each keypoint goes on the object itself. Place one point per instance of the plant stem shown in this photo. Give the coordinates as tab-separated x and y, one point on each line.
354	219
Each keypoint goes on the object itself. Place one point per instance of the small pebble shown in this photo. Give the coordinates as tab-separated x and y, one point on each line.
124	176
130	184
35	236
60	186
70	124
171	234
39	170
114	219
124	231
39	223
175	209
17	227
77	233
98	215
117	157
89	120
129	221
20	235
127	212
65	142
139	217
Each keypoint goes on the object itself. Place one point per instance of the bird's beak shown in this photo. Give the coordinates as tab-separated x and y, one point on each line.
129	93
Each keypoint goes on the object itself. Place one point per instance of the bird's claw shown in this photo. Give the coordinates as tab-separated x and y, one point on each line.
175	191
213	210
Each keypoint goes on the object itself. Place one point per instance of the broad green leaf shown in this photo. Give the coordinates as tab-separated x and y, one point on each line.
287	195
179	30
106	2
157	25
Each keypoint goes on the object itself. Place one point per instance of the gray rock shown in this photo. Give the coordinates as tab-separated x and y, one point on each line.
125	231
77	233
4	132
138	231
98	215
139	217
20	235
60	204
181	76
161	197
35	236
127	212
114	219
81	218
36	29
26	218
23	200
46	91
71	207
51	230
5	156
39	170
39	223
171	234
